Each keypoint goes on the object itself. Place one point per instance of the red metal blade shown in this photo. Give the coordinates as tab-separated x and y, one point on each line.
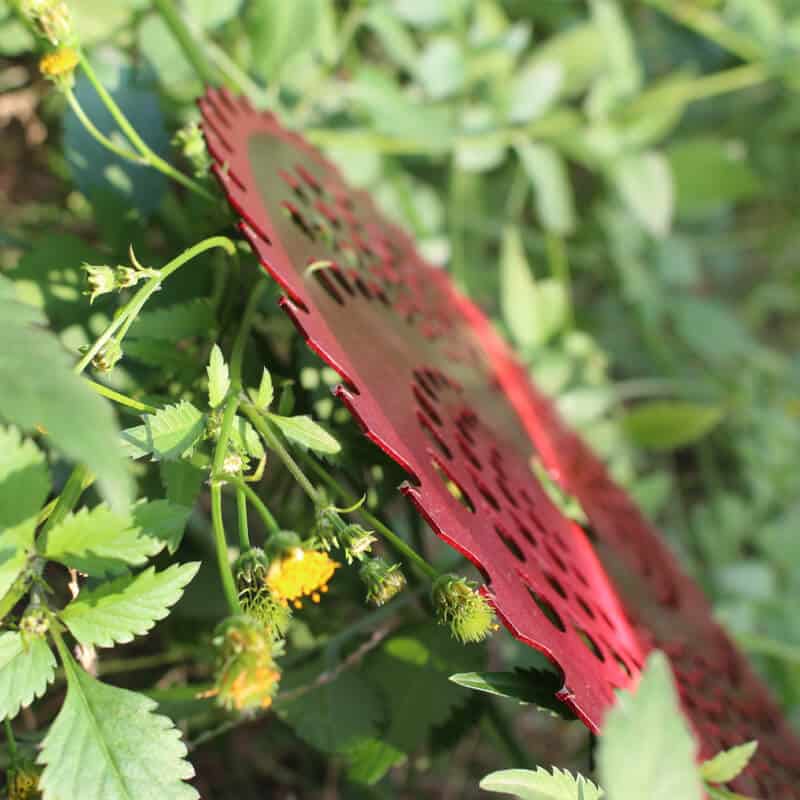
433	385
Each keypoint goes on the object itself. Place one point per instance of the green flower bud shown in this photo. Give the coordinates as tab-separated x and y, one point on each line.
34	623
108	356
189	140
460	606
51	18
383	580
101	280
357	542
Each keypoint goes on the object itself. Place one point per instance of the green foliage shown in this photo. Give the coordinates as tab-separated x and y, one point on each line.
725	766
101	542
218	378
665	426
27	666
107	743
664	764
535	686
174	431
304	431
47	395
129	606
541	785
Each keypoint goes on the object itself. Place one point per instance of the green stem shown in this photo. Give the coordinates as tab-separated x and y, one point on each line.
237	354
226	574
194	55
12	742
234	76
710	25
148	156
241	509
730	80
121	398
127	314
93	131
274	443
559	269
258	504
387	533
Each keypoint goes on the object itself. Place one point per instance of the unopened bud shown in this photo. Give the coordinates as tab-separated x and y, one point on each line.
383	580
108	356
461	607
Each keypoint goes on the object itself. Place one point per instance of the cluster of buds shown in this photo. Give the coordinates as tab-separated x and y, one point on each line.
22	781
35	623
462	608
189	140
104	279
108	356
247	676
330	532
255	597
51	18
383	580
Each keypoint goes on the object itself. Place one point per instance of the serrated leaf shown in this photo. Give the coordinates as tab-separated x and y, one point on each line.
99	542
175	430
107	744
219	379
646	749
24	485
47	394
266	392
26	669
304	431
179	321
182	481
136	441
539	784
337	715
725	766
668	425
130	606
535	686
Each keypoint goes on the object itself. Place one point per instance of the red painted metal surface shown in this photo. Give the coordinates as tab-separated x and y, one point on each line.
433	385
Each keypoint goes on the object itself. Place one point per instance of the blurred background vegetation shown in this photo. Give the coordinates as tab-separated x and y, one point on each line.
617	183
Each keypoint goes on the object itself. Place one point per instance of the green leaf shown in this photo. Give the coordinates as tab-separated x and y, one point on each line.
135	442
335	716
219	379
107	744
548	175
24	485
304	431
623	76
26	669
644	182
412	670
533	311
530	685
246	439
668	425
100	541
646	749
395	38
130	606
727	765
182	481
441	68
266	392
47	393
212	13
540	784
534	90
177	322
175	430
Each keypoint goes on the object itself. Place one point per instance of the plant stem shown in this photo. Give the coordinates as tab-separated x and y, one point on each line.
274	443
68	499
241	509
559	269
226	574
174	21
269	521
12	742
121	398
127	314
148	156
93	131
239	344
387	533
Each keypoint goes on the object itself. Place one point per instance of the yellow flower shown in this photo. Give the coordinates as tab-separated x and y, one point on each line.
58	63
300	573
